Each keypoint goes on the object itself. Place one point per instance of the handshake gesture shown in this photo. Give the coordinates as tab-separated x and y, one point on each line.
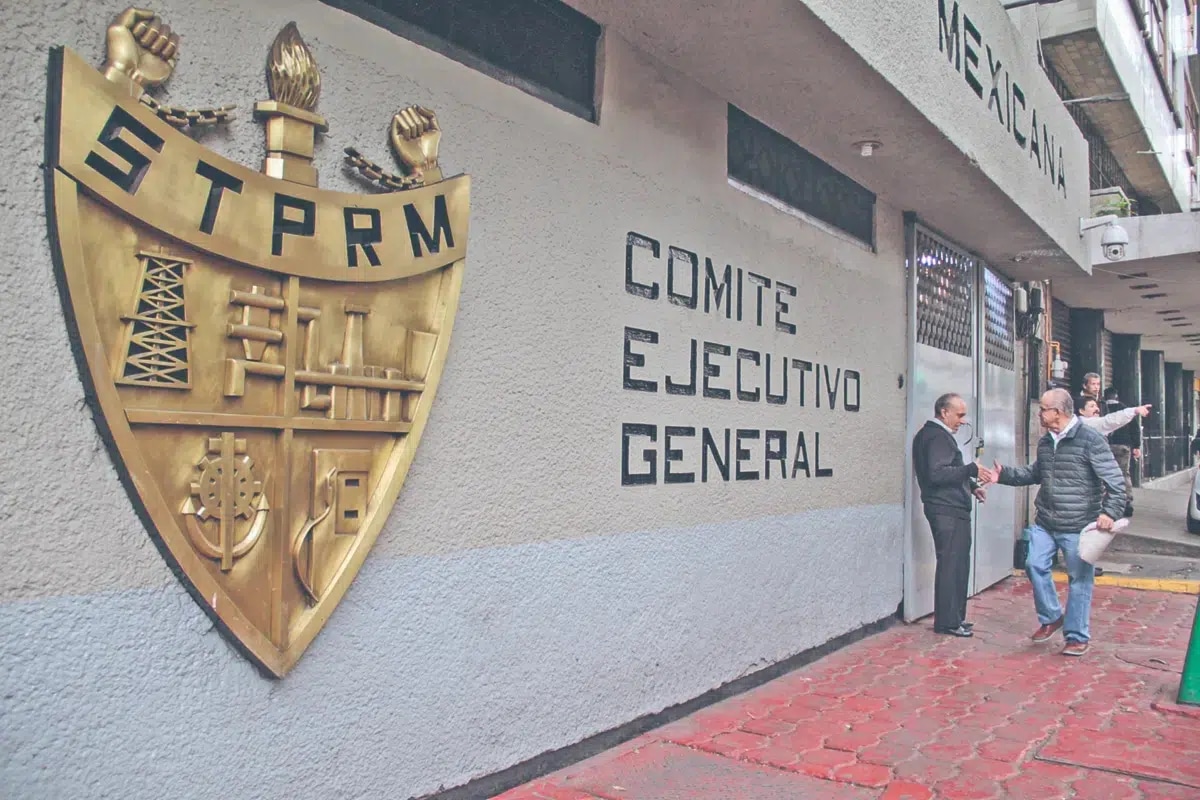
988	476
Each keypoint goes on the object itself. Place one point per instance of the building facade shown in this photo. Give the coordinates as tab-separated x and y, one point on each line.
1128	73
668	447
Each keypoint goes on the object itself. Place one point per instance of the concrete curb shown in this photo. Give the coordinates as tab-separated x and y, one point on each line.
1172	585
1152	545
1176	480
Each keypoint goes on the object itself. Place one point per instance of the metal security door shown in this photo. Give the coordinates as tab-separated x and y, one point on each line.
995	520
943	283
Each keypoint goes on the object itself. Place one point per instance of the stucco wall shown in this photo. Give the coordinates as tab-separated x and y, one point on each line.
520	598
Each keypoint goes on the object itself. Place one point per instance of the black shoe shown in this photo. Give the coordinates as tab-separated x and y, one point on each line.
960	631
968	625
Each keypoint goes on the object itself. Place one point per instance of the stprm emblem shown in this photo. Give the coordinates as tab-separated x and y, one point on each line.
261	354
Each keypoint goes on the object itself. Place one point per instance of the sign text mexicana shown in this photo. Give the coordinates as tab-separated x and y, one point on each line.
961	41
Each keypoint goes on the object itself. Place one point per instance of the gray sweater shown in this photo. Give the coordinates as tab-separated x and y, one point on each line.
1080	480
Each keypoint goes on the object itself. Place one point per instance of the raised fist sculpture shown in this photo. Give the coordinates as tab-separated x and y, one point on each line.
141	49
415	137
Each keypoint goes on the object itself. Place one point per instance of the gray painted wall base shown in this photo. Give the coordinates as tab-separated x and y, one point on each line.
434	671
547	763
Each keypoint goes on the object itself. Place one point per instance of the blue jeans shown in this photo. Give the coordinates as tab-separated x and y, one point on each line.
1042	544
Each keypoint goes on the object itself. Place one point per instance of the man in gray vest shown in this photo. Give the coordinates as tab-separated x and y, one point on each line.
1081	484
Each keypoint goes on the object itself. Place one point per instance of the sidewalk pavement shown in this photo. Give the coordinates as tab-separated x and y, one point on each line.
909	714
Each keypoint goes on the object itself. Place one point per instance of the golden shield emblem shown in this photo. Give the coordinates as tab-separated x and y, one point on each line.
261	354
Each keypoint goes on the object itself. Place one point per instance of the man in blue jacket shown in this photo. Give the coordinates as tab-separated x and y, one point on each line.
946	488
1081	484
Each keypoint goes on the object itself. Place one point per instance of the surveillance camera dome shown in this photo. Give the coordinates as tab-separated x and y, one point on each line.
1113	242
1114	234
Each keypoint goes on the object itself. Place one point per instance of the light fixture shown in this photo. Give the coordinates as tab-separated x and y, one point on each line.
867	147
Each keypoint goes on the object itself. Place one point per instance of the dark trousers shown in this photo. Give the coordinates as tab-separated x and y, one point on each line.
952	544
1122	453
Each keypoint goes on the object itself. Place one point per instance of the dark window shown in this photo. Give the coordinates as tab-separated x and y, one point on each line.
770	162
539	46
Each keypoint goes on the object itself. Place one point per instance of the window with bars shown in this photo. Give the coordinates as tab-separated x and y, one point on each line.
945	295
999	321
543	47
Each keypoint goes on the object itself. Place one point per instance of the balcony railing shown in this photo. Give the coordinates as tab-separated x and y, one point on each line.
1103	169
1152	21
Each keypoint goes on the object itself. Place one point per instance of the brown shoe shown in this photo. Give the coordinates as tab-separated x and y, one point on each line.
1075	648
1044	633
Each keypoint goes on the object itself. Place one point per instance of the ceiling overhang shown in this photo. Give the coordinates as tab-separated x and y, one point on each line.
1155	292
780	62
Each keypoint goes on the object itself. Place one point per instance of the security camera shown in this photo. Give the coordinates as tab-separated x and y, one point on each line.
1114	238
1113	242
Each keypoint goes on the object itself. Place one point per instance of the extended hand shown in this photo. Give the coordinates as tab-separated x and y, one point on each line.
1143	411
1104	522
415	138
141	47
986	475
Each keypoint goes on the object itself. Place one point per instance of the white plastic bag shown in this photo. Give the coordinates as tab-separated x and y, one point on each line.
1093	541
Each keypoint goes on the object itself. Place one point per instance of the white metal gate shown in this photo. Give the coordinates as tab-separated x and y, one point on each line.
996	420
961	339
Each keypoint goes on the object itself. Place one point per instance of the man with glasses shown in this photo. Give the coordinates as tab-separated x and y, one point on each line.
1081	484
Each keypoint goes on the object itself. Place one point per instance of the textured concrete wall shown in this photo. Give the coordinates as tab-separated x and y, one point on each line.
520	598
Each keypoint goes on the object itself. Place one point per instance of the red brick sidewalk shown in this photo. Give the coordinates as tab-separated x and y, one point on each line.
910	714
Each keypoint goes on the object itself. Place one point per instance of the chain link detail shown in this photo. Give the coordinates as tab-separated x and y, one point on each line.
185	117
373	172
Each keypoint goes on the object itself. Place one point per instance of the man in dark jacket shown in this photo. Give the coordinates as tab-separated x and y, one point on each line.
1081	484
946	491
